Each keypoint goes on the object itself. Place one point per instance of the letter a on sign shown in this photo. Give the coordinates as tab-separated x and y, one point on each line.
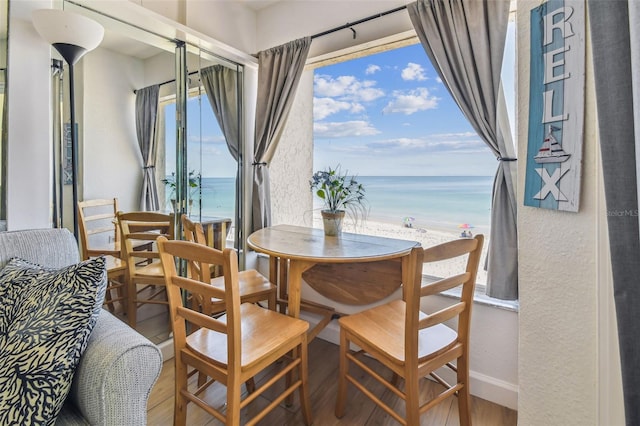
556	106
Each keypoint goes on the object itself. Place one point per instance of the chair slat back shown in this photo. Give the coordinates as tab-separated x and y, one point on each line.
143	226
470	247
193	231
98	227
181	313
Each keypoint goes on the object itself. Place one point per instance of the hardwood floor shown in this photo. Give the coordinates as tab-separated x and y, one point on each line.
323	373
153	322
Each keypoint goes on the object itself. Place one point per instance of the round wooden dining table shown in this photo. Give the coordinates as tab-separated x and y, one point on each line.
354	269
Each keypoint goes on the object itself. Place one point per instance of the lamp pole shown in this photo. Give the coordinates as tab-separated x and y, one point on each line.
72	35
71	55
74	152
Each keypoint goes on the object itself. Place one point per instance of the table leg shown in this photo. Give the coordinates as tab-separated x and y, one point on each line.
209	232
283	279
296	269
223	236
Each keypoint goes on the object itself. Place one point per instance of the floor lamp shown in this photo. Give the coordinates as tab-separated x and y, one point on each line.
72	35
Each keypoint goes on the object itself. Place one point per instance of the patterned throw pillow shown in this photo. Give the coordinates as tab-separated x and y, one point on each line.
46	317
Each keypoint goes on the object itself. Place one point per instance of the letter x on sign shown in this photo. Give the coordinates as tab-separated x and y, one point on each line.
551	184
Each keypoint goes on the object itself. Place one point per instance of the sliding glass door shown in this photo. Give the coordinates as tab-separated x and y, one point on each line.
207	164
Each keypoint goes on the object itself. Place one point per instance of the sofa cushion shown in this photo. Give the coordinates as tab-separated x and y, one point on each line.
46	317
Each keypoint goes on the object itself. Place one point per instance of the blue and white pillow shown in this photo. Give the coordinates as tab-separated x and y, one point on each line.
46	317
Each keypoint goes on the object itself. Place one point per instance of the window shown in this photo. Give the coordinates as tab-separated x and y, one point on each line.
388	119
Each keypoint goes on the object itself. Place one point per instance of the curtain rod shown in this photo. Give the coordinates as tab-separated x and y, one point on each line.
360	21
171	81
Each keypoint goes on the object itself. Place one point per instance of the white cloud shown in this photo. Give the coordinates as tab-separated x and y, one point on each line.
356	108
324	107
411	102
439	80
367	93
371	69
467	142
456	135
346	88
343	129
208	139
413	72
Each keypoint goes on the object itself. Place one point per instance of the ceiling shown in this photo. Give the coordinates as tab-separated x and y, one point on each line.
258	4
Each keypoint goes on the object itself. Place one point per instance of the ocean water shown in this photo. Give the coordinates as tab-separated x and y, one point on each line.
443	202
218	197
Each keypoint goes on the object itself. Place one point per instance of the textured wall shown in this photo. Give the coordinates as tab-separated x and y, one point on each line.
291	167
558	284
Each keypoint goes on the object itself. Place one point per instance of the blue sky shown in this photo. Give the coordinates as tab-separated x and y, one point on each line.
201	126
389	114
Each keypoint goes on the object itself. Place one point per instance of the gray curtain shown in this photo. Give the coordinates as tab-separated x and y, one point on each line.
613	26
279	71
146	118
465	40
220	83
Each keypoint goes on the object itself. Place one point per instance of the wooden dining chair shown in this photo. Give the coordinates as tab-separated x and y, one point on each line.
145	276
231	349
253	286
100	235
411	343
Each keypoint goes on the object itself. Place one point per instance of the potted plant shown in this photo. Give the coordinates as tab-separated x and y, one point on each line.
341	193
194	183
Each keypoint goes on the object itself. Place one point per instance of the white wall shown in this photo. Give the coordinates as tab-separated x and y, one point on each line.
558	363
29	145
228	22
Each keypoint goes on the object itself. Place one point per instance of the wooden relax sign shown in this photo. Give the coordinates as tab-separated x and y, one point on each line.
556	106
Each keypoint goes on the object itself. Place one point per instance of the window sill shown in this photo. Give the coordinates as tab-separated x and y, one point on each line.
479	297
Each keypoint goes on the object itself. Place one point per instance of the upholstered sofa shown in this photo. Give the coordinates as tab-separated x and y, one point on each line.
112	382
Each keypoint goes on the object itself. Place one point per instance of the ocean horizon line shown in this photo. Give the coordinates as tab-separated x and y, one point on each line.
391	176
442	202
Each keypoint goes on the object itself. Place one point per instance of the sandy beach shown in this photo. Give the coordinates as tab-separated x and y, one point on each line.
426	237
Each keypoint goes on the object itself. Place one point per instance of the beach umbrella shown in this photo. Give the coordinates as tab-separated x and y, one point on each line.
465	226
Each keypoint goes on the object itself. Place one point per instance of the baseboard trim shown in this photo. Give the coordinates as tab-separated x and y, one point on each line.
166	349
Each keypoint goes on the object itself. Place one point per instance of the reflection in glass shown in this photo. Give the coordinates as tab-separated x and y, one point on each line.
131	58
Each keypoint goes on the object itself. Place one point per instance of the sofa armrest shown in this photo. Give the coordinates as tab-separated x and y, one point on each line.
112	383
